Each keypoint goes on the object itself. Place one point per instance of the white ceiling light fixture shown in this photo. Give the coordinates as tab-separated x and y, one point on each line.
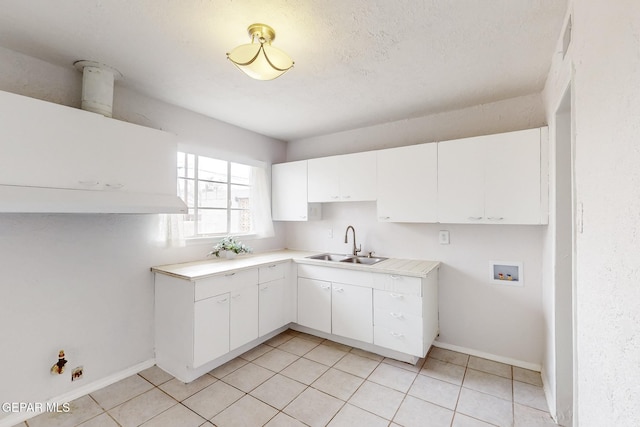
260	60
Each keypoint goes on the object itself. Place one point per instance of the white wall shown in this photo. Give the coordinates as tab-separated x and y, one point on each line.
524	112
606	91
498	321
82	282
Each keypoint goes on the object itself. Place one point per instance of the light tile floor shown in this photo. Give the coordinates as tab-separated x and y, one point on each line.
296	379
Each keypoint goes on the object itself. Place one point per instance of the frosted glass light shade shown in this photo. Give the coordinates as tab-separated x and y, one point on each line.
260	61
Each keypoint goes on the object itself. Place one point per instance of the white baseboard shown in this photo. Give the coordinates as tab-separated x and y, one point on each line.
509	361
17	418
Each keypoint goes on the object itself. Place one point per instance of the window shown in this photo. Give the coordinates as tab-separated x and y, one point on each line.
217	194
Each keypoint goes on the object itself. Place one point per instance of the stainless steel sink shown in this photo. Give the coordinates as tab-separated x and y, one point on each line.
330	257
347	258
363	260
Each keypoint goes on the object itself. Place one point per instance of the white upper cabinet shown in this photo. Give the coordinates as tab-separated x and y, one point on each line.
51	146
407	184
349	177
512	179
494	179
461	180
289	193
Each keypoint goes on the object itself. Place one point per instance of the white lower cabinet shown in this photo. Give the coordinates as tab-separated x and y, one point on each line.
210	329
273	306
203	320
389	311
201	323
314	304
243	316
398	321
352	312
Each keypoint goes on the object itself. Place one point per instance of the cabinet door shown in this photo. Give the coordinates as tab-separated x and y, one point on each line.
408	184
49	145
134	158
289	191
461	165
210	329
243	316
512	178
323	179
314	304
273	306
352	312
358	177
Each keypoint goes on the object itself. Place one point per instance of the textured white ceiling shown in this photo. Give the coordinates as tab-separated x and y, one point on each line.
357	62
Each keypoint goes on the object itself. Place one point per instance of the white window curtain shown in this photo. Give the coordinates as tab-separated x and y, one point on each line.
171	231
261	203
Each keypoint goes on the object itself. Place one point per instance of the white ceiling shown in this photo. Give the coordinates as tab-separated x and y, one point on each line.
357	62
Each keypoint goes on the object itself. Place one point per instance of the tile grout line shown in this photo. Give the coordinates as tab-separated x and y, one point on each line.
455	409
378	363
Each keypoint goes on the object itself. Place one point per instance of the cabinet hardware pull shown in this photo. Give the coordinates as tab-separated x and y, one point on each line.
325	286
90	183
396	334
384	217
222	300
272	265
266	288
115	186
230	274
475	218
396	315
303	217
394	277
346	197
235	296
335	197
339	289
495	218
396	296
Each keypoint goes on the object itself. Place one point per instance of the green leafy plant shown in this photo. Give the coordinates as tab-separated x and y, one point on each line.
230	244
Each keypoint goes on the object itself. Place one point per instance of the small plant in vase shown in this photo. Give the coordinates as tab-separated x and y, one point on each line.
229	247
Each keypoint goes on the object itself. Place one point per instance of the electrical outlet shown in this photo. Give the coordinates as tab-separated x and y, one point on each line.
443	237
76	373
330	233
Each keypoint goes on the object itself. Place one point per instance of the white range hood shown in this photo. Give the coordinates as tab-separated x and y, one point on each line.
59	159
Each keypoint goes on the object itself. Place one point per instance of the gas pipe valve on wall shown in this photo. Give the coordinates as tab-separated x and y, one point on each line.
58	368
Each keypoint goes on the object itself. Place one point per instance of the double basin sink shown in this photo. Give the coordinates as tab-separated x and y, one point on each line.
347	258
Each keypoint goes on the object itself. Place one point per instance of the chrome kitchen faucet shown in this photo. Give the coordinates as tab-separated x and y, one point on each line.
346	234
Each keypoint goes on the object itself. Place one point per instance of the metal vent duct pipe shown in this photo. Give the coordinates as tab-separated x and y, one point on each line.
97	86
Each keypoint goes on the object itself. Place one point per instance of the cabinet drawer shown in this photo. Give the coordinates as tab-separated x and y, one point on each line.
336	275
397	340
396	283
398	331
217	285
397	303
403	323
271	272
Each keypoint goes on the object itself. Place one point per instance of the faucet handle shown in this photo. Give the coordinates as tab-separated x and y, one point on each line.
370	254
355	251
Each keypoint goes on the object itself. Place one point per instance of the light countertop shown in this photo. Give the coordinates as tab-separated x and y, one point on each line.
211	267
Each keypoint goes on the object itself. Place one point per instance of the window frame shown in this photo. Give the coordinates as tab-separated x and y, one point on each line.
195	209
